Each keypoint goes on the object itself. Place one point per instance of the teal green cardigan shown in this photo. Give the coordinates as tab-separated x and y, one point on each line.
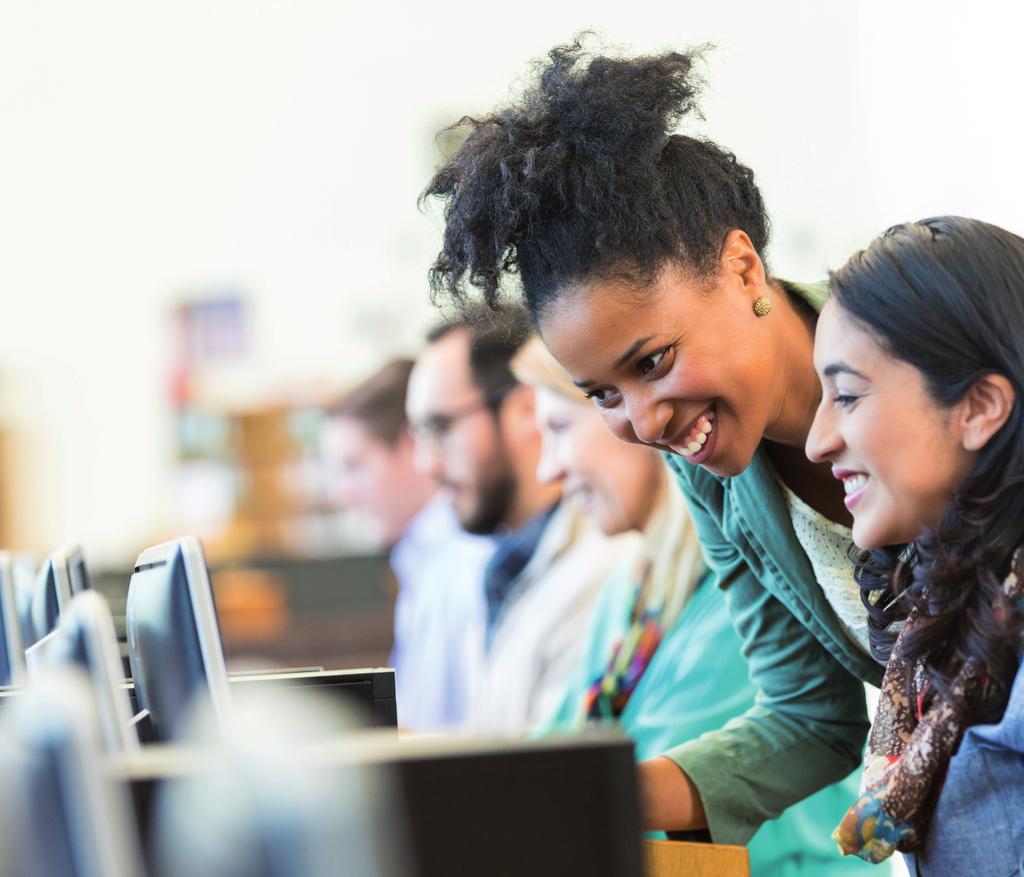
697	680
808	724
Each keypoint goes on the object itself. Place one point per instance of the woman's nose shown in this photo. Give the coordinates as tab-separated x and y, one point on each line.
549	467
823	440
649	419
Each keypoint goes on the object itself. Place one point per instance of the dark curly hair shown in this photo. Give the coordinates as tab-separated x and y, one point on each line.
946	295
584	179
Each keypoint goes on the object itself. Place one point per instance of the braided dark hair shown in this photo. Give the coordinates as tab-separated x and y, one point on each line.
584	178
946	295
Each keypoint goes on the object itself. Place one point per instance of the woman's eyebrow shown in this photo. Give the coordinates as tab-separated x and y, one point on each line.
621	361
835	368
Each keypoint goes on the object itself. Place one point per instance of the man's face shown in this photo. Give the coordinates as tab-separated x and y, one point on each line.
367	474
458	438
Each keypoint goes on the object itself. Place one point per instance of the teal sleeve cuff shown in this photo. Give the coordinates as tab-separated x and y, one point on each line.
729	822
760	763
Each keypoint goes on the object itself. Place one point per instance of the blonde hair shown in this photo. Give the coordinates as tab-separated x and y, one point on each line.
534	366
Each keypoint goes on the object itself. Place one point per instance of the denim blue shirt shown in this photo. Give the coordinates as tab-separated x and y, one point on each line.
977	827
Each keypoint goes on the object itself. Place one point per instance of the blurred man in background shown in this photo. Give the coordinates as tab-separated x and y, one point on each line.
439	567
477	437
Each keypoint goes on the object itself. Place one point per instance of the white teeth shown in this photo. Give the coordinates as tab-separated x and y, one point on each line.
854	483
698	435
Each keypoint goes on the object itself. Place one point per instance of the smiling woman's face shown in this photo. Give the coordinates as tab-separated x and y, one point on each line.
899	454
680	365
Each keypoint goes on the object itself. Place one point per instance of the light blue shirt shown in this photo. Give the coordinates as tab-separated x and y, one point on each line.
439	616
977	827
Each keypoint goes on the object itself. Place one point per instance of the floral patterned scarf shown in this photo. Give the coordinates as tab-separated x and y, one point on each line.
909	750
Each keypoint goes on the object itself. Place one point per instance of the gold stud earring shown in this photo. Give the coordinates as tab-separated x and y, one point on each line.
762	306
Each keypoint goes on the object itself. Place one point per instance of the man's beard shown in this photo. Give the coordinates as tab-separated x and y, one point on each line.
493	504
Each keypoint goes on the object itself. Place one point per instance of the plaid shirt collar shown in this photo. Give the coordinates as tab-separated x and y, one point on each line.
510	558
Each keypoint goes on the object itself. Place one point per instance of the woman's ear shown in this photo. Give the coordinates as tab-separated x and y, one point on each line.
740	262
986	407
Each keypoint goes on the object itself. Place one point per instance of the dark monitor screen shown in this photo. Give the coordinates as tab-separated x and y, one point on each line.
23	597
78	573
44	610
12	653
63	575
174	644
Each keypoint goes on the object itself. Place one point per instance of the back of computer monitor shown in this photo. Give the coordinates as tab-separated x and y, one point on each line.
12	651
544	808
265	805
65	814
50	593
174	644
85	638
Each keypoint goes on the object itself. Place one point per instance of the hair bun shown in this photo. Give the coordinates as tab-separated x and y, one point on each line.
584	176
617	107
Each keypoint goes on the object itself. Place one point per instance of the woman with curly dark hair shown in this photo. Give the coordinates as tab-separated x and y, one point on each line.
640	253
921	358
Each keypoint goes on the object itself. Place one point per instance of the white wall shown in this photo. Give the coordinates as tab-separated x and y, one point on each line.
149	151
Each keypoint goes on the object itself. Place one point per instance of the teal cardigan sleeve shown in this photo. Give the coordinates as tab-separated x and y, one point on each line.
808	723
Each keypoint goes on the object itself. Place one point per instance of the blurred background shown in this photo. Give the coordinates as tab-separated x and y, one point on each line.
209	229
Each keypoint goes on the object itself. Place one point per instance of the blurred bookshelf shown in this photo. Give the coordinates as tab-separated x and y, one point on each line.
298	580
254	482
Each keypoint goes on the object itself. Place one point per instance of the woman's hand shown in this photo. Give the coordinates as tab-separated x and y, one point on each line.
669	801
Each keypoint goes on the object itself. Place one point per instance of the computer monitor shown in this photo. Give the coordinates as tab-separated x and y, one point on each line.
73	559
63	574
174	644
546	808
24	571
63	813
264	805
86	638
51	592
12	651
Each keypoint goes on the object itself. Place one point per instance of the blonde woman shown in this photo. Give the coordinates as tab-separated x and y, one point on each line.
662	658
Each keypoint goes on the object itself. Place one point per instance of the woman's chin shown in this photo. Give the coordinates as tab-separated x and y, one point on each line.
868	537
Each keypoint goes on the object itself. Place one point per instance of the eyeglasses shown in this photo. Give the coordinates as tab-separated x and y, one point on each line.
436	427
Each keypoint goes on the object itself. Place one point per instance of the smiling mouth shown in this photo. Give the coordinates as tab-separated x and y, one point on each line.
698	441
854	484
